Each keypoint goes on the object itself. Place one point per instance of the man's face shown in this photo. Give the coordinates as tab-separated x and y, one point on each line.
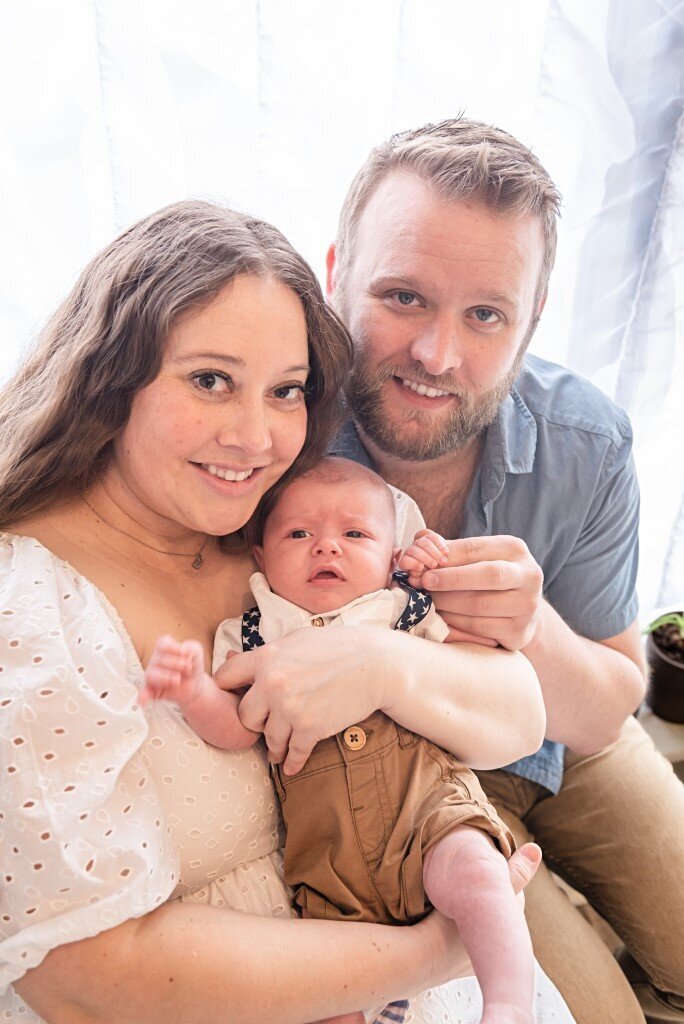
439	298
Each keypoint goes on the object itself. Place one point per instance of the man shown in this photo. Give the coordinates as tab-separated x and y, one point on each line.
440	270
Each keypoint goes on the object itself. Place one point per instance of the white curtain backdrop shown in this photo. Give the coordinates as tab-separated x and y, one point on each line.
112	108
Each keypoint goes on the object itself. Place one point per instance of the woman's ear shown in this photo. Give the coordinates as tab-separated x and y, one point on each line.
258	553
331	270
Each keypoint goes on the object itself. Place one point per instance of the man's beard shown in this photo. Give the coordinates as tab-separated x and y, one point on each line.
433	435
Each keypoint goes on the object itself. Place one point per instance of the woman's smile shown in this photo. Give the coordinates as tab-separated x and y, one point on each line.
225	417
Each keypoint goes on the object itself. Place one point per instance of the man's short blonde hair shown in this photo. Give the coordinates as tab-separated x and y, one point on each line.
464	161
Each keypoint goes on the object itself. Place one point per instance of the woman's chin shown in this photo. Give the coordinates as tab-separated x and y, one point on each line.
227	505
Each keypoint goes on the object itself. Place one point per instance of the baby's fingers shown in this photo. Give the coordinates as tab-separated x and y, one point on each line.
193	654
432	546
438	541
422	554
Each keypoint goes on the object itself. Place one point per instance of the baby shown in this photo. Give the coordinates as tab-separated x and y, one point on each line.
380	823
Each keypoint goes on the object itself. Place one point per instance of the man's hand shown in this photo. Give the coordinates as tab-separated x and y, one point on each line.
490	591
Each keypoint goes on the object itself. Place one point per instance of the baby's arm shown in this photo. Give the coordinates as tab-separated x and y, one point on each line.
428	551
176	673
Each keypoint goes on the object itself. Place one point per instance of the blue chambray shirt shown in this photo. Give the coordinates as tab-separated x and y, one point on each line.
557	471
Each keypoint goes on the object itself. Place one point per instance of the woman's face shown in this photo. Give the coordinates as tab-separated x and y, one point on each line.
224	418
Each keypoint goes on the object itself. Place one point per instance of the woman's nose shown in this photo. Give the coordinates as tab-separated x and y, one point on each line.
246	427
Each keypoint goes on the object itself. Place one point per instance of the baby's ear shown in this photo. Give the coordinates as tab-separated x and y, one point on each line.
258	553
396	555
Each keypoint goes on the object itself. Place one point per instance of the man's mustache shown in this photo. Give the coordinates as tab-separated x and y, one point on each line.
416	373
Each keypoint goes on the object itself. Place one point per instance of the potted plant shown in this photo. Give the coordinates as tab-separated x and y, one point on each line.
665	654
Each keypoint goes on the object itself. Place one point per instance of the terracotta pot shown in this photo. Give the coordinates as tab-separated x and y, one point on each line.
666	690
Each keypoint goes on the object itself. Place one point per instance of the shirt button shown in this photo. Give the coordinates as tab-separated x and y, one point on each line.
354	738
318	621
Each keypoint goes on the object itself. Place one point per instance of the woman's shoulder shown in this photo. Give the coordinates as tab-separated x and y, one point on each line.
51	614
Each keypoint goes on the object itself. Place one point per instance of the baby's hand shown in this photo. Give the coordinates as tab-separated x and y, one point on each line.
175	672
428	551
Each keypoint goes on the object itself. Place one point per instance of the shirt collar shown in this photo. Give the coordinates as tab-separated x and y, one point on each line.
280	616
510	445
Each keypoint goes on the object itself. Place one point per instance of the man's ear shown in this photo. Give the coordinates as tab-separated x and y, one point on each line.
330	270
540	305
258	553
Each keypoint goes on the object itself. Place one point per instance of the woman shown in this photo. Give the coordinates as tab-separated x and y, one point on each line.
193	367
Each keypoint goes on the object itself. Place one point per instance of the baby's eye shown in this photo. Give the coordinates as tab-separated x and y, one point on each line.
212	381
299	534
354	533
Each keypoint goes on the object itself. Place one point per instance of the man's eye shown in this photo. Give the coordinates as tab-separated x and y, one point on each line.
299	534
210	381
404	298
354	533
486	316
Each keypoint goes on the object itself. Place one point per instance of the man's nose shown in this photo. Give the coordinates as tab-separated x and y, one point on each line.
246	427
438	348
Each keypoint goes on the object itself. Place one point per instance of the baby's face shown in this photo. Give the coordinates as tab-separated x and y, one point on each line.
326	544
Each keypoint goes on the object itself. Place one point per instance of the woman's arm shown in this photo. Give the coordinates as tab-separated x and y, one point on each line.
482	704
189	964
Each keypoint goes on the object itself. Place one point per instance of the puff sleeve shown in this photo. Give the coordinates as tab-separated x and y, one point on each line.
85	844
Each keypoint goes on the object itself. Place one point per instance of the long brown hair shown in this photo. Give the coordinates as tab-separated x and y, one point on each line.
73	394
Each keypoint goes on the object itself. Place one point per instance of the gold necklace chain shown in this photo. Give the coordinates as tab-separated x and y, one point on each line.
196	562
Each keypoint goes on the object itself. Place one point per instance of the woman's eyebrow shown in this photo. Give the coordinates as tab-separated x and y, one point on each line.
221	357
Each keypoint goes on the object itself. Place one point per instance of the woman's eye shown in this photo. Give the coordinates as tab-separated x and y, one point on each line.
299	534
210	381
290	392
486	316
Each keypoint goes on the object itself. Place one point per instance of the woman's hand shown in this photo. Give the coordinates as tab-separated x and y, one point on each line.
310	685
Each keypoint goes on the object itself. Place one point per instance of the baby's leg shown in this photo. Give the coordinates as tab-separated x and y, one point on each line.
467	879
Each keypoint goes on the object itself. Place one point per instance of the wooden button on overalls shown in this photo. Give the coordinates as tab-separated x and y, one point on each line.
354	738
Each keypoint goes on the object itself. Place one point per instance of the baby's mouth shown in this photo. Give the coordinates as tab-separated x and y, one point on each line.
327	573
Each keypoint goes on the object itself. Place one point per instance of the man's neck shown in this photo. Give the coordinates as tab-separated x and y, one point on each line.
440	486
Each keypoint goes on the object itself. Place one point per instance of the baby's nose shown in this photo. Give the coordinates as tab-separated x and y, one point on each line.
328	545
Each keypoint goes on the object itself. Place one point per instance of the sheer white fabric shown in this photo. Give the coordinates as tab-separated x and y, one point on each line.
105	811
110	108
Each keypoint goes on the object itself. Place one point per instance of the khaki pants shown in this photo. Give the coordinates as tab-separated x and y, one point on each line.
615	832
362	813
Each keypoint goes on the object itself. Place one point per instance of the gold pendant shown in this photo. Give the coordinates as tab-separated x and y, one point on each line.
197	561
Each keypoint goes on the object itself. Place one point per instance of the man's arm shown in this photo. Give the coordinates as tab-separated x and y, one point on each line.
493	588
590	686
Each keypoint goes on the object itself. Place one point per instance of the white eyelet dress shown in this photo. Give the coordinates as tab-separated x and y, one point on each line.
107	811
